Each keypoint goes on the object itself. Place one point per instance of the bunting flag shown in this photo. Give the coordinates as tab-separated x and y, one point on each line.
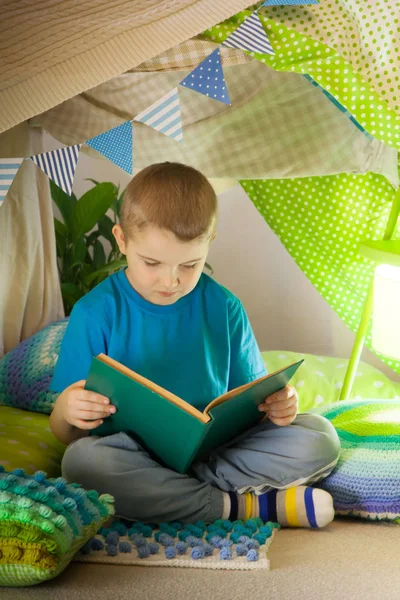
208	78
250	35
116	145
8	170
59	165
288	2
164	116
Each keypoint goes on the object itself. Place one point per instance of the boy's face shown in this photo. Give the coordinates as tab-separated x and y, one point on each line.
161	268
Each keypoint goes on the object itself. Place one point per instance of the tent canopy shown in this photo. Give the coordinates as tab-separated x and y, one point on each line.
312	132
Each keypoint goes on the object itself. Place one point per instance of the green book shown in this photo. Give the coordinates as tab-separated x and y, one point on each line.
176	432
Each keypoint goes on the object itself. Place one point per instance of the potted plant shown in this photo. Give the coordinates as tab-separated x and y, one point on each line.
86	248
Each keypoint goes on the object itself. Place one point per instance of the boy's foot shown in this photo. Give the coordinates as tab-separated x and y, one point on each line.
300	506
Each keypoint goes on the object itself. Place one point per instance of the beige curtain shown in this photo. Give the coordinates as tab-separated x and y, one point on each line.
30	294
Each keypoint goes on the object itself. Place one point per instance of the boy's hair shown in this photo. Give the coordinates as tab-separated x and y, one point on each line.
170	196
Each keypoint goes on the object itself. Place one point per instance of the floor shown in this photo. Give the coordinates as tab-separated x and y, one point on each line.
348	560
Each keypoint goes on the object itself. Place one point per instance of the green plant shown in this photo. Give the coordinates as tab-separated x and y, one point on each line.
81	236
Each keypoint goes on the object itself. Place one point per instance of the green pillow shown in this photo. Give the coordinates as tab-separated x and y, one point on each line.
366	481
319	380
27	442
43	523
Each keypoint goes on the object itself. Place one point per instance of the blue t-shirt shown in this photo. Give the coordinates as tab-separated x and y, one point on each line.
197	348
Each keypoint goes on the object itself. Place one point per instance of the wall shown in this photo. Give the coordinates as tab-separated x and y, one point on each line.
286	311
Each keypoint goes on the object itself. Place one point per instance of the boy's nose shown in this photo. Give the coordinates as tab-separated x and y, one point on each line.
170	280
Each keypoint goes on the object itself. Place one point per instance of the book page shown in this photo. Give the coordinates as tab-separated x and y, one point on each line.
242	388
204	418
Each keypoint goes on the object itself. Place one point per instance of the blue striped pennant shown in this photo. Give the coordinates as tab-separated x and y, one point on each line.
250	35
59	165
164	116
8	170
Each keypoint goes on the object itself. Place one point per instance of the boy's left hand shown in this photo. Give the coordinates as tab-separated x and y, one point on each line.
281	407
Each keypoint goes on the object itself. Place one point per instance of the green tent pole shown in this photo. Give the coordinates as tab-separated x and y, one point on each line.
367	311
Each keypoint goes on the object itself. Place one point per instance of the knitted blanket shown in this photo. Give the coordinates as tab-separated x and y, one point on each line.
366	480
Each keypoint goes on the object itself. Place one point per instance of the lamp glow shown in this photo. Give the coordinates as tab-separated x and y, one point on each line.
386	311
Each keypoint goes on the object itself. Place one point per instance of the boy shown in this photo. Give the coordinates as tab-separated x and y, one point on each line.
174	325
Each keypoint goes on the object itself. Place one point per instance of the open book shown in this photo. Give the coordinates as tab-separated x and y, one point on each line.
174	431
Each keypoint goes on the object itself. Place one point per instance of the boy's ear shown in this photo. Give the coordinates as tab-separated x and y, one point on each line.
120	238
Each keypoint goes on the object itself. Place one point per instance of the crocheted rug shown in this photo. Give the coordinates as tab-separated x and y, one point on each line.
221	545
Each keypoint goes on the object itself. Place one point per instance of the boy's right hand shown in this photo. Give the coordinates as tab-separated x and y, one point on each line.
84	409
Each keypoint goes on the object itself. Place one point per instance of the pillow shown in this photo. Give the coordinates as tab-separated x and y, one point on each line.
366	481
26	371
26	441
320	378
43	523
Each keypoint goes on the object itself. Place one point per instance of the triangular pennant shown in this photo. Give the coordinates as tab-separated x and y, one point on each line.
8	170
59	165
250	35
164	116
288	2
116	145
208	78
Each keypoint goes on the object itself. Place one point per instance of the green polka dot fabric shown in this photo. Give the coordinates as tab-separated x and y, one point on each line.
27	442
351	52
320	379
321	221
341	50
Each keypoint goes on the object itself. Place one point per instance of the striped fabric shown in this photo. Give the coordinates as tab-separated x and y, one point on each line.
116	145
164	116
250	35
59	165
366	480
8	170
44	522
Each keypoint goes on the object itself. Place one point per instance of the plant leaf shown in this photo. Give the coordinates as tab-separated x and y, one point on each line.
92	237
106	270
91	207
209	267
105	226
79	252
64	202
99	256
71	292
119	203
61	232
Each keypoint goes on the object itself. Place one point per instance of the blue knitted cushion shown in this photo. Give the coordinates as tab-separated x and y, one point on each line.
26	371
366	480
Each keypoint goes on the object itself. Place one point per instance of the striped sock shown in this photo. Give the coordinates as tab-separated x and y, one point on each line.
301	506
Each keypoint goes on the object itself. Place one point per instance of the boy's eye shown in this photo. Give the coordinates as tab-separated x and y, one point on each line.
150	264
190	266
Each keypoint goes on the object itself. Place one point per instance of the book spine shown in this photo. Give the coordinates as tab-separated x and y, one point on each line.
198	450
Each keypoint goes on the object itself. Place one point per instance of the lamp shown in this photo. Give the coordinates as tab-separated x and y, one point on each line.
386	296
383	300
386	311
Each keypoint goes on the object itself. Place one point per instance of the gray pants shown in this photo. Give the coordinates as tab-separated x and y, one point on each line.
265	457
